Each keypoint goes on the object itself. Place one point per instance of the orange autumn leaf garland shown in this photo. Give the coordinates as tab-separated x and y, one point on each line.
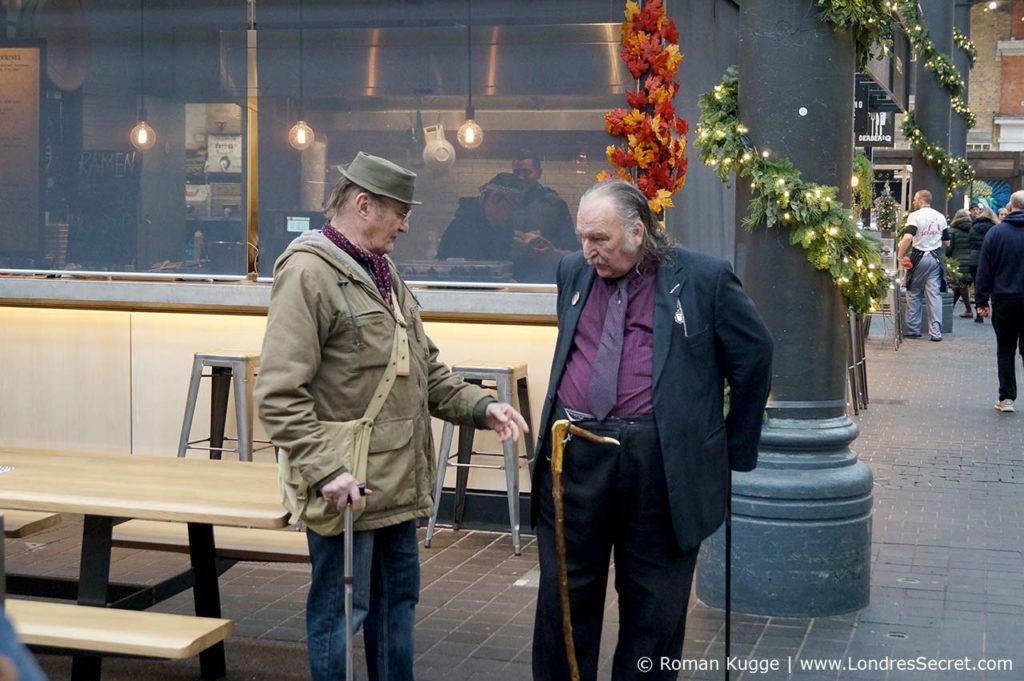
654	154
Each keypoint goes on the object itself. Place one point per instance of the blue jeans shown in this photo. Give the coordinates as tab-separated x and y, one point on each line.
386	588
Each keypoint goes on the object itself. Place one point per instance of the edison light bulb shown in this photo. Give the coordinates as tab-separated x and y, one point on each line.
142	136
300	136
470	134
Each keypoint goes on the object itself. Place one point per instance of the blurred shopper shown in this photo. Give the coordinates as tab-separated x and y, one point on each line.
984	220
545	213
1001	282
340	319
648	334
927	233
960	251
484	225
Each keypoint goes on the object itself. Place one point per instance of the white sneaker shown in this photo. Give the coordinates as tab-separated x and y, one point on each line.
1005	405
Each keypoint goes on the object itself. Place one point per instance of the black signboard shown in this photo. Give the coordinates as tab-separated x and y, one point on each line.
880	130
861	98
103	227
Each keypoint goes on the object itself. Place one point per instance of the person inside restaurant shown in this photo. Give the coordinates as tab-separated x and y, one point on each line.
487	228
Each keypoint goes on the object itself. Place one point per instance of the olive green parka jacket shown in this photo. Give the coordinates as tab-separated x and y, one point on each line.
329	336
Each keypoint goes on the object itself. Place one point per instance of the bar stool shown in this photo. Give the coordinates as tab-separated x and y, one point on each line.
504	376
227	368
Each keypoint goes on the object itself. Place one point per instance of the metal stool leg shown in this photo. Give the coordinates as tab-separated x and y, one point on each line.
465	453
511	468
219	389
190	406
242	380
523	393
442	470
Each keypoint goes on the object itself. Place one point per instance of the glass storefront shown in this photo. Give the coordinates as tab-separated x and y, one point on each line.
223	189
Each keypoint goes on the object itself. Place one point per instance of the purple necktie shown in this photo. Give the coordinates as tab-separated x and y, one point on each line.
603	390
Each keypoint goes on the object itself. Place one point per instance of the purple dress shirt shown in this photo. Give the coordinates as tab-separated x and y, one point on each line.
636	367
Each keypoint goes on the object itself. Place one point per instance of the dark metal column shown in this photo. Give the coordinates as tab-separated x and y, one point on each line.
802	519
957	124
931	100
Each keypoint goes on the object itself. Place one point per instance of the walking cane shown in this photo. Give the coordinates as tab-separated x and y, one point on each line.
561	431
728	569
347	579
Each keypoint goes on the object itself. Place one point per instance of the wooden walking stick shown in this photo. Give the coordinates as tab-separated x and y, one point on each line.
561	431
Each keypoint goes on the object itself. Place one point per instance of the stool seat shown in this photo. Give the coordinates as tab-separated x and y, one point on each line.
488	370
229	369
228	357
505	376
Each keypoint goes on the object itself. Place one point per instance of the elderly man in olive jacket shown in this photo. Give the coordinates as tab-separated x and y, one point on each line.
337	312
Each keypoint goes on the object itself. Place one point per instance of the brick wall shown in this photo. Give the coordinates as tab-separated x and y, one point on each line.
1012	90
987	29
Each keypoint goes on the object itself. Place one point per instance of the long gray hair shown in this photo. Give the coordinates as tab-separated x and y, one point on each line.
630	205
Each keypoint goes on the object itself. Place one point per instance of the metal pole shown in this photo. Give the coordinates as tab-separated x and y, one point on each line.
347	578
957	124
931	100
809	500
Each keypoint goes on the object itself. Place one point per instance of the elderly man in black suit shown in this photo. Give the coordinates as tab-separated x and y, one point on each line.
648	335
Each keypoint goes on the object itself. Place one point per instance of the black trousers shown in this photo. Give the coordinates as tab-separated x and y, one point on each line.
616	502
1008	322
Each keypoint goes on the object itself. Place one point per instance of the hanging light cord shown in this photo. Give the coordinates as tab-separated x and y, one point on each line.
302	23
470	111
142	65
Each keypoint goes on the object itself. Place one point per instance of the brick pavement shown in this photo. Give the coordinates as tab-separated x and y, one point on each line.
947	578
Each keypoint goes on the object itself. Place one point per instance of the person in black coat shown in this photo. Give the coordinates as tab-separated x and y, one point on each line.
983	220
960	251
687	327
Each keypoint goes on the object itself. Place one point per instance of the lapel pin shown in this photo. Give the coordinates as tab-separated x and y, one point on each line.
575	298
674	288
679	319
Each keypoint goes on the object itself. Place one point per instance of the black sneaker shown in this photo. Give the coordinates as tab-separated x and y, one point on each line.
979	320
911	335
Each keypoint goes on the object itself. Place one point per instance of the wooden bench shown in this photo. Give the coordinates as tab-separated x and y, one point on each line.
23	523
234	543
108	630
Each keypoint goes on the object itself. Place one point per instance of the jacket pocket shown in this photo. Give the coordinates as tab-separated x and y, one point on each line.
391	465
348	442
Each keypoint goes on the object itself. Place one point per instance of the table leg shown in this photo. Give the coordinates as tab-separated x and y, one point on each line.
206	593
93	580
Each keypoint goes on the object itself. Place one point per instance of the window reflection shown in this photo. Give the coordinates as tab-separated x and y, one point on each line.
388	77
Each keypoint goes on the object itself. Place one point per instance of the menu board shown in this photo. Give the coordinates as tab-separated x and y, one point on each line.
20	68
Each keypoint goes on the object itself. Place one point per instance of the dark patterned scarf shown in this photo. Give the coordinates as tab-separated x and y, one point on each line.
378	263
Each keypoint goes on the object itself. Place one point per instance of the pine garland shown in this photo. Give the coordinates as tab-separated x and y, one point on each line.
967	45
954	169
872	22
817	220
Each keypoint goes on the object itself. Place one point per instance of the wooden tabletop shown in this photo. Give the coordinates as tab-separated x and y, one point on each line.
242	494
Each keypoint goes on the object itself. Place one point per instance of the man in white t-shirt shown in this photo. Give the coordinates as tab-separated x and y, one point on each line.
926	273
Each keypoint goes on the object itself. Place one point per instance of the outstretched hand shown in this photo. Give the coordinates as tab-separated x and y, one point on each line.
505	421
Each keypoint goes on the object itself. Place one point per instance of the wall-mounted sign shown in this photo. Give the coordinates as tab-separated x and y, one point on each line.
20	71
880	132
224	153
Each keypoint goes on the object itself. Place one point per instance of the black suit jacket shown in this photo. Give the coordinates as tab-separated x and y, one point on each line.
718	336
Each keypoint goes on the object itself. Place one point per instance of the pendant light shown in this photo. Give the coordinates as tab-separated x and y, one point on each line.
301	135
470	133
142	135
